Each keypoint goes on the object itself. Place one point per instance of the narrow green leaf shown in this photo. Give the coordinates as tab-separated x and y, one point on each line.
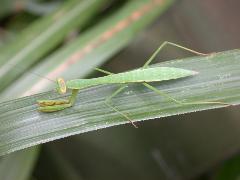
218	80
90	49
43	36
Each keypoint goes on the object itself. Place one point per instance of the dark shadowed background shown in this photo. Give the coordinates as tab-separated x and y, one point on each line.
202	145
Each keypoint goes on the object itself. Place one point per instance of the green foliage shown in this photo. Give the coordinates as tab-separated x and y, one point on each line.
213	83
40	38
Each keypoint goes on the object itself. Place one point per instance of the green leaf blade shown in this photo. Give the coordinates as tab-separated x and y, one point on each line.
218	80
42	36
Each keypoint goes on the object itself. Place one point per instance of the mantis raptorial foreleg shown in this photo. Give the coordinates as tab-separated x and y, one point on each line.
172	44
57	105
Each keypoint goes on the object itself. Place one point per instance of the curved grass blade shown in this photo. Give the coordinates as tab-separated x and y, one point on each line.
42	36
218	80
91	48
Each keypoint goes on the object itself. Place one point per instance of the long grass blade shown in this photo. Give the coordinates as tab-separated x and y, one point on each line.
42	36
218	80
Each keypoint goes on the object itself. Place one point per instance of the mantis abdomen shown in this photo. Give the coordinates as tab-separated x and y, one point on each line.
139	75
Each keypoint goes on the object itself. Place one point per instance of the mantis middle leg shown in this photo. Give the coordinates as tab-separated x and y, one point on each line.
108	99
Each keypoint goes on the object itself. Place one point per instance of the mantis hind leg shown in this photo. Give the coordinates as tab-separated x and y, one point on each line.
166	95
180	102
172	44
57	105
107	100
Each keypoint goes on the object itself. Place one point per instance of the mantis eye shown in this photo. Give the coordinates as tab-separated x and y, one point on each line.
61	86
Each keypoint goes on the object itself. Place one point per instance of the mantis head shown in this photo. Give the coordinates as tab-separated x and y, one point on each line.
61	86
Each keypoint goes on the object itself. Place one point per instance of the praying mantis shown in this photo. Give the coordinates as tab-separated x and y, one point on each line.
143	75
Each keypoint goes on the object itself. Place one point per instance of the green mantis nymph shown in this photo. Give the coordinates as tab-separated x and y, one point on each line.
143	75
